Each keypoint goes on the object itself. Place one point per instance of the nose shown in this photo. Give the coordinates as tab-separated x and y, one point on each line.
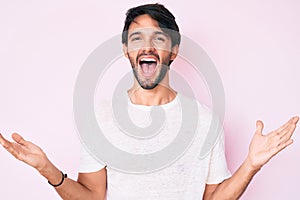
148	46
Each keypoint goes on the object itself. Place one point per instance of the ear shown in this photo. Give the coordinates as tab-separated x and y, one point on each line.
125	50
175	50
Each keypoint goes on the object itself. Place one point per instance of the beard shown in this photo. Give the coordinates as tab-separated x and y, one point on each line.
149	83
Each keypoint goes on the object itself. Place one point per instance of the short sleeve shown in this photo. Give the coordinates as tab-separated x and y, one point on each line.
218	170
88	163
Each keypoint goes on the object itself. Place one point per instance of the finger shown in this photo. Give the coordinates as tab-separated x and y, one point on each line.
283	145
4	142
291	126
18	138
283	127
9	147
1	139
259	127
275	150
281	131
288	134
293	120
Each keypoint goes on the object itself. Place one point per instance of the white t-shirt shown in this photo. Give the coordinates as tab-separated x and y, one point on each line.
185	179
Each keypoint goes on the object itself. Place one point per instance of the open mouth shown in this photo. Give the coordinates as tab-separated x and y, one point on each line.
148	65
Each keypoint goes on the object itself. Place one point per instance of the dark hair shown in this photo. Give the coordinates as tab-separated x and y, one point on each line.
158	12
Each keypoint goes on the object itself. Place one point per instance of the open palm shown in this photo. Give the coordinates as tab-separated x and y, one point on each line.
24	150
264	147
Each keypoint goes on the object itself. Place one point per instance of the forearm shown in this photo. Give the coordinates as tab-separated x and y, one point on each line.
93	187
262	149
69	189
234	187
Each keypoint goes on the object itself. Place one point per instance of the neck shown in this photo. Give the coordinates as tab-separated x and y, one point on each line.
159	95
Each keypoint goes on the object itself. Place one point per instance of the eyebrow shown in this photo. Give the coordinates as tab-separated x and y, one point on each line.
134	33
160	33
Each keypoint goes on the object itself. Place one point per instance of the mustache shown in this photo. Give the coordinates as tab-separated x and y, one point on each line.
147	54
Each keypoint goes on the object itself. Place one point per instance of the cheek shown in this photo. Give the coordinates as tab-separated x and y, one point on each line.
135	47
131	60
165	56
132	56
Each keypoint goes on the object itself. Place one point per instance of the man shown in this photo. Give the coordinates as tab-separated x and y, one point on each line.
151	48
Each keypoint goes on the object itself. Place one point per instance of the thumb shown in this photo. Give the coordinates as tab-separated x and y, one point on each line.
18	138
259	127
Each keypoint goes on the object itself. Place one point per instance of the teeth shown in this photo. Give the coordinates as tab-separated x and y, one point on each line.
148	59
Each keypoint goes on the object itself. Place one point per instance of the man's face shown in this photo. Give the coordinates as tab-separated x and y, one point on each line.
149	51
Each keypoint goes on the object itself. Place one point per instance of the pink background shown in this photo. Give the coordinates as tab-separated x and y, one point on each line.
255	46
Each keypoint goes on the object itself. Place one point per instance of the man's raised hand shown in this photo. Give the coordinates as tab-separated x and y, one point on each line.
264	147
25	151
